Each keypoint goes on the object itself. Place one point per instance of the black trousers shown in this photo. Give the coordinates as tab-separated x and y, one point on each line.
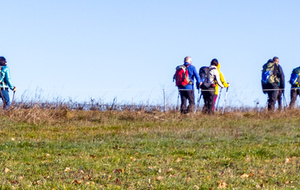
208	96
279	99
272	90
190	96
294	93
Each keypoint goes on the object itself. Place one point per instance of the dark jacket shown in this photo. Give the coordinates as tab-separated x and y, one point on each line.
280	76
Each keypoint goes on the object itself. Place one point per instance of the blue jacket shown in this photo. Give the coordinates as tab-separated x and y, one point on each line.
5	81
192	75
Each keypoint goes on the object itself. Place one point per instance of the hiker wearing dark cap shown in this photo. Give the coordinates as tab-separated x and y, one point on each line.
208	87
5	83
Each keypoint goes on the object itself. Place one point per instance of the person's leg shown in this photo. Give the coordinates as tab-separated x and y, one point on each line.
211	101
205	98
272	97
183	97
279	99
5	99
191	98
293	97
215	99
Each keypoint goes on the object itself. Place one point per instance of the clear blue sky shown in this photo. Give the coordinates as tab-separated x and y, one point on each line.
129	49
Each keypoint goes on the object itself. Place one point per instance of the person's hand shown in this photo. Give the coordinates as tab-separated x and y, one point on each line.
15	89
199	86
228	85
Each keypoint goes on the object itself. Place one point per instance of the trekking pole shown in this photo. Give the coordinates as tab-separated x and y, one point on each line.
225	100
12	102
219	99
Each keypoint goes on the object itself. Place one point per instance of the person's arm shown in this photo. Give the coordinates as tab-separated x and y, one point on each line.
2	75
222	79
196	74
217	77
7	78
281	76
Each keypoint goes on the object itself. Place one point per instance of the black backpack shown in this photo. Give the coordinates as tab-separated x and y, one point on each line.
204	77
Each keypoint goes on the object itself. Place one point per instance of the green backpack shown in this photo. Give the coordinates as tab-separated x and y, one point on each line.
268	73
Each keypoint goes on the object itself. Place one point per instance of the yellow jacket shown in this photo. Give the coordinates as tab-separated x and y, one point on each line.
223	81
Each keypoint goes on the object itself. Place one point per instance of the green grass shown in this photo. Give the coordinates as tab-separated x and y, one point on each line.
62	149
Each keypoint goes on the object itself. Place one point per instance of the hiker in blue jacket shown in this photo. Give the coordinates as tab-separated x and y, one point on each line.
5	83
187	92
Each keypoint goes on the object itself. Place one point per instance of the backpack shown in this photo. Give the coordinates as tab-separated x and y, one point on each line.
204	73
269	73
295	79
181	76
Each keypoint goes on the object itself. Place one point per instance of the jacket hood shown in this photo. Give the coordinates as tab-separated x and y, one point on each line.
187	63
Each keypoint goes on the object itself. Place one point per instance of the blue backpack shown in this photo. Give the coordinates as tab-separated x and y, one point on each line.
268	73
266	76
295	80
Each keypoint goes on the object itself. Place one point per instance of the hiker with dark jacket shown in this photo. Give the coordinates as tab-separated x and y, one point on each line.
209	93
274	83
187	92
5	83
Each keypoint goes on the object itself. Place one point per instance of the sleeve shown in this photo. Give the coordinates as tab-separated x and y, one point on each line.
2	76
217	76
281	76
7	79
222	79
197	76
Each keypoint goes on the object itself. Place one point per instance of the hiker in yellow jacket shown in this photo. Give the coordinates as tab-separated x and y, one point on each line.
223	81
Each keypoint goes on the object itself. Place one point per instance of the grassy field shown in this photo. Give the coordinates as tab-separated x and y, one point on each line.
63	149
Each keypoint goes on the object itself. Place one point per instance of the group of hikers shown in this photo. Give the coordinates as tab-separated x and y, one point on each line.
210	78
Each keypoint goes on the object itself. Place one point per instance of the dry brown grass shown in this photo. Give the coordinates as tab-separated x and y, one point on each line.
37	115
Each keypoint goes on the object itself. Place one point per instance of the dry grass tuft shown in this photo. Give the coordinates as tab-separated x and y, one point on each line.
37	115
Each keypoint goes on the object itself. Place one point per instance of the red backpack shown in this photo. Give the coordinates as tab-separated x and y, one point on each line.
181	76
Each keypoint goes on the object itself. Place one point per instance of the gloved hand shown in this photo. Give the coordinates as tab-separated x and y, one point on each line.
15	89
198	85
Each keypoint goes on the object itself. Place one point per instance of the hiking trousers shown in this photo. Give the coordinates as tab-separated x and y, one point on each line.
5	99
279	99
184	96
272	90
209	97
294	93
